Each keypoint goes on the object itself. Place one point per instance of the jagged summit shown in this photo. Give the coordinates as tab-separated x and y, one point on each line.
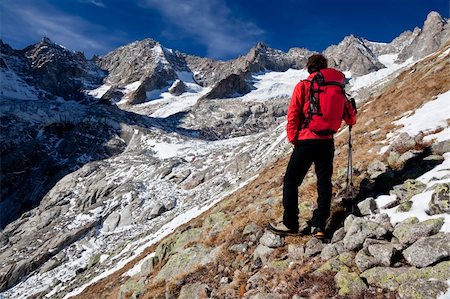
354	55
434	34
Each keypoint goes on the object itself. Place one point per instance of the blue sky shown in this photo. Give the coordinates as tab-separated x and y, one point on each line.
215	28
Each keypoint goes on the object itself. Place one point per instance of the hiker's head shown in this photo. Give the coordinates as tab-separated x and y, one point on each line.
316	62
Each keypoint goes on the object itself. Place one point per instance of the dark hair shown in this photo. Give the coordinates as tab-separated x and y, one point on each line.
316	62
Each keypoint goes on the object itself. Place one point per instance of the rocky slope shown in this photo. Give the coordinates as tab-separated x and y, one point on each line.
102	186
396	246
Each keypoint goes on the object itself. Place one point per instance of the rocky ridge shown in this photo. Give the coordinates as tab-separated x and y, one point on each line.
52	69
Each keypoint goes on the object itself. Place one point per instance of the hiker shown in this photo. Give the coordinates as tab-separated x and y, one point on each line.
315	113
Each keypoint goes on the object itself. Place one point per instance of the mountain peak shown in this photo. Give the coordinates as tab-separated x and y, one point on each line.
434	16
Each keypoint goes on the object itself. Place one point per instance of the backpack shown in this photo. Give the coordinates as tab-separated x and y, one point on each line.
326	105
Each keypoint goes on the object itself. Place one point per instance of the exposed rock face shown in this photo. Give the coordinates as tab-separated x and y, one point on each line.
178	87
230	86
434	34
53	69
353	55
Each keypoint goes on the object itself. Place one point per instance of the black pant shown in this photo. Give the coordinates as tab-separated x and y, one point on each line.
306	152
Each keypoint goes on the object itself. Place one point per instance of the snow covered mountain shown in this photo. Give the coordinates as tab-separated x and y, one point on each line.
102	184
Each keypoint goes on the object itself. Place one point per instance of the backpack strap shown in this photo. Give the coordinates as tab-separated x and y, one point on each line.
314	102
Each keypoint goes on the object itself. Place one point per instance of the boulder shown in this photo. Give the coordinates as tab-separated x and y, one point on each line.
404	207
343	261
328	252
361	229
252	229
440	148
375	169
296	251
422	288
364	260
367	206
125	216
349	283
187	260
410	230
195	291
383	253
262	252
338	235
111	222
132	289
392	278
271	240
313	247
428	250
403	143
440	200
156	211
406	191
239	248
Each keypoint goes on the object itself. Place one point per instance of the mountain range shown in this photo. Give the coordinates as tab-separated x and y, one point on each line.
138	172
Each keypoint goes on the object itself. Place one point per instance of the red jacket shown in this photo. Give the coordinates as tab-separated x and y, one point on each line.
298	108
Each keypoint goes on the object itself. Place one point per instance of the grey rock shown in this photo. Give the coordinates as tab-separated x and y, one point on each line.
262	252
403	143
440	200
186	260
125	216
404	207
349	283
239	248
376	168
364	260
392	278
410	230
229	86
296	251
383	253
367	206
440	148
349	221
195	291
133	287
338	235
328	252
156	211
422	288
313	247
428	250
252	228
178	88
271	240
111	222
406	191
360	230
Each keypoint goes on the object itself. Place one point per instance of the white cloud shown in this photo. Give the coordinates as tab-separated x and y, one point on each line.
24	23
94	2
210	23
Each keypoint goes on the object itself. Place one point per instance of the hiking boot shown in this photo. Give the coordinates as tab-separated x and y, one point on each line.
282	230
318	232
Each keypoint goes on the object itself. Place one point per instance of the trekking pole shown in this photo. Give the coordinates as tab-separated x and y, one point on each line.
348	200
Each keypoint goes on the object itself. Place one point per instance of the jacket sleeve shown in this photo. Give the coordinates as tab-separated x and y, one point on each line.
295	116
350	112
